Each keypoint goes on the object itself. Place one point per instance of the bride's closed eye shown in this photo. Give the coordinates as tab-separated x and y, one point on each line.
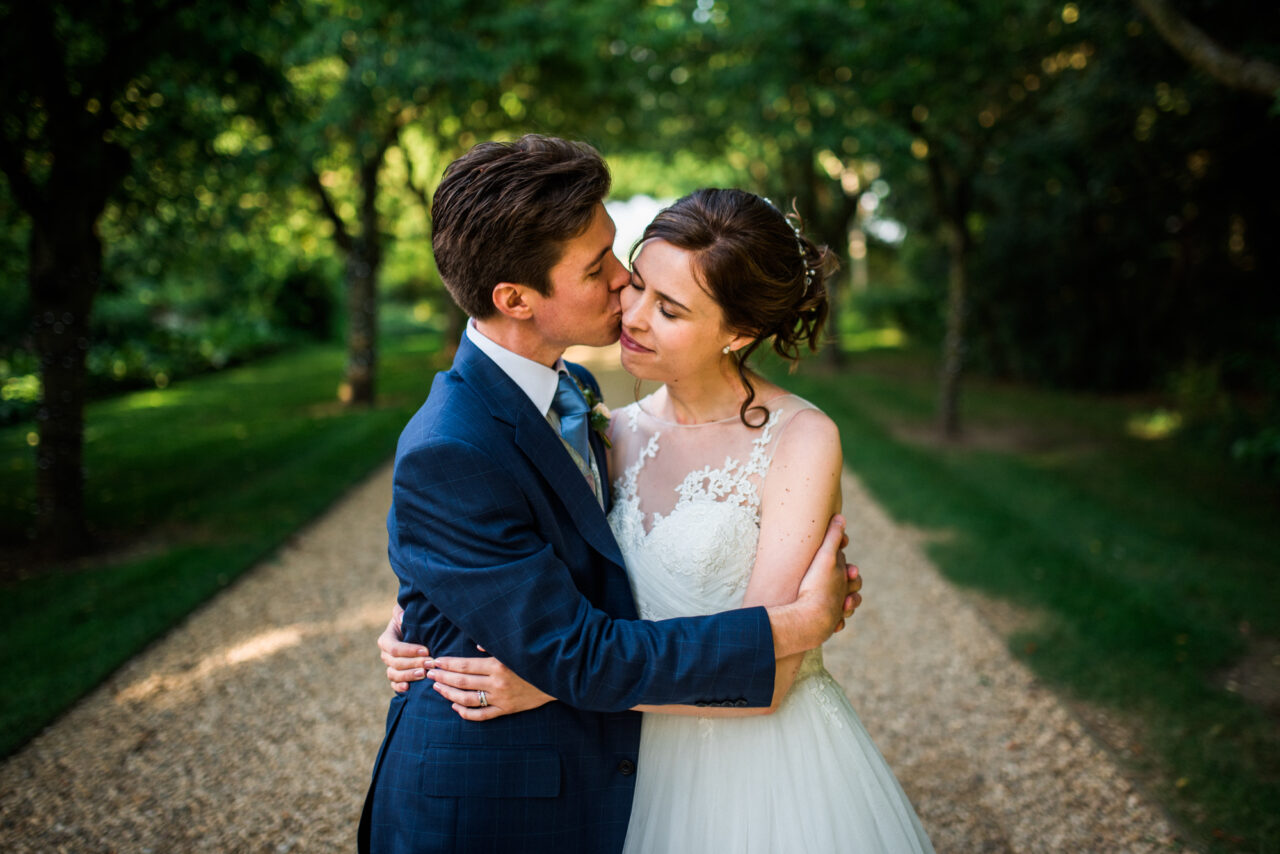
662	308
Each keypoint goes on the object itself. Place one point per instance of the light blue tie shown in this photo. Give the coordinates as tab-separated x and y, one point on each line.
574	414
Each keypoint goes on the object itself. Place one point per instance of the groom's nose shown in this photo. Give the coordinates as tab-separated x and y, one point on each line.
620	276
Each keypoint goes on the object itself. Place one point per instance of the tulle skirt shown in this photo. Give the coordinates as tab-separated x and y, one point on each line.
805	779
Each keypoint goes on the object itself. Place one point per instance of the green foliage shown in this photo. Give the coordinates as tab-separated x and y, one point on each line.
1144	568
1260	452
1107	260
201	479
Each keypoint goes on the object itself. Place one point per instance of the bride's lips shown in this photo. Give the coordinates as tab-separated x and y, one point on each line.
629	343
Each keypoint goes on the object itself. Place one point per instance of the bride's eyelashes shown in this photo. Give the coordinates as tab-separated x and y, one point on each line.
662	309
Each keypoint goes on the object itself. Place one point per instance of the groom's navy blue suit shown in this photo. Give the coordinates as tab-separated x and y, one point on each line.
498	540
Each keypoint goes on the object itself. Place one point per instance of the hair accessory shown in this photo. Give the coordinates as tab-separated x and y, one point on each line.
804	258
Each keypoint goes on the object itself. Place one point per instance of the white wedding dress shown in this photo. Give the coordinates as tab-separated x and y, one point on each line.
807	778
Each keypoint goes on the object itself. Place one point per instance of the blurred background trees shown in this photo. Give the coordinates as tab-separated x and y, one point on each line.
1063	195
1042	191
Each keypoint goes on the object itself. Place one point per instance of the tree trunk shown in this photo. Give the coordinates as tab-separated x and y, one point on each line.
951	189
953	344
808	205
66	267
363	262
362	327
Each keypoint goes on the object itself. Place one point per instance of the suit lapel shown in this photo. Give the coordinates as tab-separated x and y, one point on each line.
535	437
544	449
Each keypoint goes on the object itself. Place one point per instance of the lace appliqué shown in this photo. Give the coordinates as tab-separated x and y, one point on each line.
721	504
729	482
819	685
625	518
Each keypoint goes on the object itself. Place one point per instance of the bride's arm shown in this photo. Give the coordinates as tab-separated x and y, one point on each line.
800	494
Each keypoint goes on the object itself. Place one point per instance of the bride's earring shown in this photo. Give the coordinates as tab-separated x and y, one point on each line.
725	350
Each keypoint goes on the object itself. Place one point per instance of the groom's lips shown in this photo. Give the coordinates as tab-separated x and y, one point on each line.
629	343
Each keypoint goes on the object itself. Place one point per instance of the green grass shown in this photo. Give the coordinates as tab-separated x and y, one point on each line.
1145	568
196	483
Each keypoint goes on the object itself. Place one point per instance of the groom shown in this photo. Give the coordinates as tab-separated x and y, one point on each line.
498	535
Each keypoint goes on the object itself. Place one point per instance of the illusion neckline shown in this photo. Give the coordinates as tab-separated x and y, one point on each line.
765	403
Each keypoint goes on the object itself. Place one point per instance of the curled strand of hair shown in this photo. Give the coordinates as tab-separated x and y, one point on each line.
746	408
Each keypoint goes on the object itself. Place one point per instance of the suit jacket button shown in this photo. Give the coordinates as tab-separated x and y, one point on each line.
626	767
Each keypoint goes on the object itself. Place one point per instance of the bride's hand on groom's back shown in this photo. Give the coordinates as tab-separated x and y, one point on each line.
406	662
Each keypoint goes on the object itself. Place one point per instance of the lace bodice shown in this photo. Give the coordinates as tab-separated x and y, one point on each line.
686	509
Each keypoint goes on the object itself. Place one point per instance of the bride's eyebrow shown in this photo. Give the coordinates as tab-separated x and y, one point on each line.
635	271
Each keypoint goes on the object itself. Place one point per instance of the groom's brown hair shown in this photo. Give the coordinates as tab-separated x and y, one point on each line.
504	211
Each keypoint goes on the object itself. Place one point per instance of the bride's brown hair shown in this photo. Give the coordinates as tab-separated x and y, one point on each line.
766	276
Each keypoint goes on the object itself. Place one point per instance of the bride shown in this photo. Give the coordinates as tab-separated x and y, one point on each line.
724	483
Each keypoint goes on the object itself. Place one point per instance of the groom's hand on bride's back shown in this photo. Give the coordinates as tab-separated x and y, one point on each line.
831	578
828	595
406	662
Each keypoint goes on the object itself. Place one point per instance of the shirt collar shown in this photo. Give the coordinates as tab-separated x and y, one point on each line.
536	380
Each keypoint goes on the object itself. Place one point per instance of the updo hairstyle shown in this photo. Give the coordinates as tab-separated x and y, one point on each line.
754	264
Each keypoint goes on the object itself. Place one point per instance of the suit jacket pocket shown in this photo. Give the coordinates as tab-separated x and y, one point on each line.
473	771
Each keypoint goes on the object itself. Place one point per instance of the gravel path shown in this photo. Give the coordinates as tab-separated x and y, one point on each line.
254	724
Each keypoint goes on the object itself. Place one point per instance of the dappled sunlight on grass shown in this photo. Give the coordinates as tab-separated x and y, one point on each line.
1158	424
153	399
874	339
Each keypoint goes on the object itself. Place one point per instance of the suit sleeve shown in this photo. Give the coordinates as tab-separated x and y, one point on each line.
464	535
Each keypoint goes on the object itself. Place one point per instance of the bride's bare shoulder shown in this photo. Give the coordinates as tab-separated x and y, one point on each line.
808	437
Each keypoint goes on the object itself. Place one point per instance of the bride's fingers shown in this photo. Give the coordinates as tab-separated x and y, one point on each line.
480	666
405	663
461	681
400	649
486	713
408	674
459	697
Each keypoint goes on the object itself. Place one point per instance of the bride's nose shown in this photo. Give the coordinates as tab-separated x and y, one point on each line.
631	308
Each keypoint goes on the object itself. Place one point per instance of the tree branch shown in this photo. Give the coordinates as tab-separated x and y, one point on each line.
420	192
1249	74
341	235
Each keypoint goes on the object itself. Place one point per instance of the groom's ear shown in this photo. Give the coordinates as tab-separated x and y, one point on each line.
510	300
